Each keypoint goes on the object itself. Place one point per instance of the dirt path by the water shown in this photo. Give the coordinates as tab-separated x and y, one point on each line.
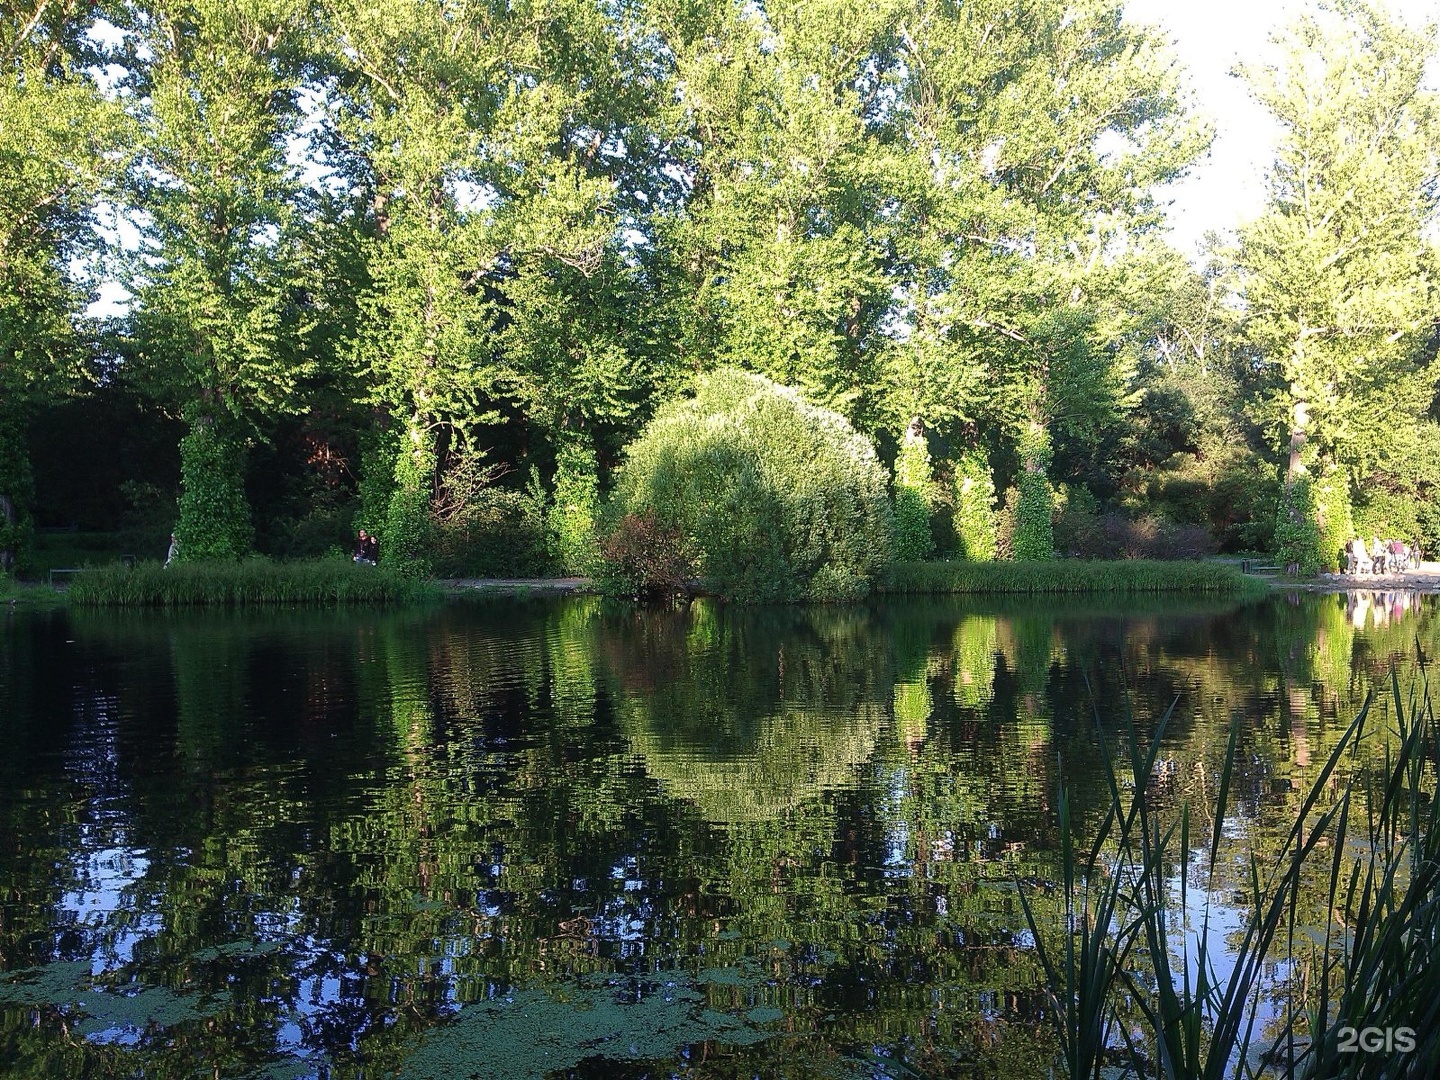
1426	579
518	585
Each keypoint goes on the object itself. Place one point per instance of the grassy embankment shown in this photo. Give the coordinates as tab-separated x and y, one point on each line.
30	595
243	584
1073	576
330	581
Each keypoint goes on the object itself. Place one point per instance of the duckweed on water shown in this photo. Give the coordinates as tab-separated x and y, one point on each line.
106	1014
533	1033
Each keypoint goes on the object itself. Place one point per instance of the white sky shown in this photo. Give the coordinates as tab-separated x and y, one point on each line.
1210	37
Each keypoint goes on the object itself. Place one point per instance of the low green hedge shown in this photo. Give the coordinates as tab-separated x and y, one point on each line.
1072	576
239	584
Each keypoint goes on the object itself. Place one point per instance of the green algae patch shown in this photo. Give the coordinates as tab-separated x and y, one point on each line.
62	983
105	1013
110	1014
533	1033
236	950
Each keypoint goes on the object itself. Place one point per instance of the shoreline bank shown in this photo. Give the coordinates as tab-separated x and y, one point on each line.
1074	578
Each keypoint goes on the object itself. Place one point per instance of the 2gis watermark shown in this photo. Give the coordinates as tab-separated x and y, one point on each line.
1376	1040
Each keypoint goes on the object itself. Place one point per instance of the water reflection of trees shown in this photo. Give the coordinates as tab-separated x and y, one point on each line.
423	808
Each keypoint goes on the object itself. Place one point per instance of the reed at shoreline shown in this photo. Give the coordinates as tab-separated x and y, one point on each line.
254	582
1072	576
1133	996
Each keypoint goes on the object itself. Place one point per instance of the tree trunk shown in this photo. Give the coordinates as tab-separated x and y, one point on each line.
1299	422
8	518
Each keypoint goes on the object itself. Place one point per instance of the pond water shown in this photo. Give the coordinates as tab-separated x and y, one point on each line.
520	838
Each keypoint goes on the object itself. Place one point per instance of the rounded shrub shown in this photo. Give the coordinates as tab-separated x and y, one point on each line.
779	499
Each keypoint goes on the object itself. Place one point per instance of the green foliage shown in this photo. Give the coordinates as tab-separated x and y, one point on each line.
58	143
572	519
955	226
213	88
783	500
913	539
1034	534
1338	275
1385	514
1072	576
1034	537
1005	525
377	479
1230	494
214	516
16	491
405	536
975	525
245	583
501	534
1087	534
1334	525
1297	532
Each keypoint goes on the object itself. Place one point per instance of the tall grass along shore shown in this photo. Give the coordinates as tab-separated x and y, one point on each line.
250	583
1072	576
1138	983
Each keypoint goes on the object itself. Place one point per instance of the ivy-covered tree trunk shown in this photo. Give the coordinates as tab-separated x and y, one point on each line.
16	488
975	526
913	539
380	448
1299	423
1334	520
573	523
404	539
1034	531
1297	534
214	515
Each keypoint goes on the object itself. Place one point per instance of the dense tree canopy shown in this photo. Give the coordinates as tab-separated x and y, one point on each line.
429	268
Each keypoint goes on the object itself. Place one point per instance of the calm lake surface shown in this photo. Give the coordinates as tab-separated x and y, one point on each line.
521	838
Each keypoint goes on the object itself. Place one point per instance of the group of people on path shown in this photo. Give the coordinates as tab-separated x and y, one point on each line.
1381	556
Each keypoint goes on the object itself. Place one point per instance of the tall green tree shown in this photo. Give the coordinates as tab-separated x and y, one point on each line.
503	153
1339	280
1039	133
215	86
416	89
58	138
780	244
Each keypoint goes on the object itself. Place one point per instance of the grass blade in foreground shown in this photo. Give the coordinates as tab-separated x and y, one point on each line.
1378	971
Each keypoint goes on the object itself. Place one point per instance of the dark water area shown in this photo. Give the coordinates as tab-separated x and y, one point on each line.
520	838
